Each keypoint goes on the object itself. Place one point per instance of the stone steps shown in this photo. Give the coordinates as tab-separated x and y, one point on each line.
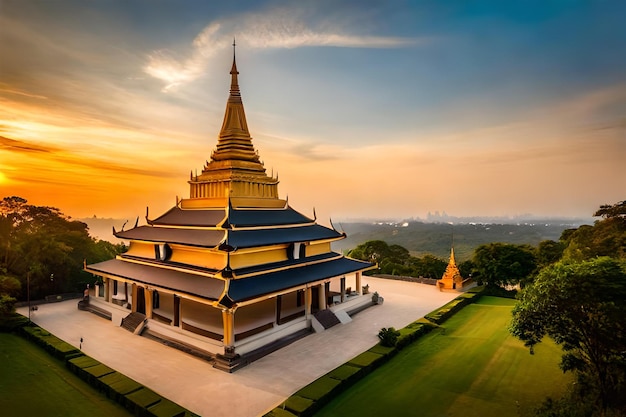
134	322
327	318
86	306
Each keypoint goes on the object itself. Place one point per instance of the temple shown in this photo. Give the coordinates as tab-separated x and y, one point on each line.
233	272
451	279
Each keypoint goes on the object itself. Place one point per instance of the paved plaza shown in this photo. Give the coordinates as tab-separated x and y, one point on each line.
256	388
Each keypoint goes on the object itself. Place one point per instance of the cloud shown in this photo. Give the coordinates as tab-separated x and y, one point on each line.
21	146
20	93
271	30
51	158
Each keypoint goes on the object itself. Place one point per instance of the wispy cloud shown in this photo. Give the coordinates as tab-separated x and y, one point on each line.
276	29
20	146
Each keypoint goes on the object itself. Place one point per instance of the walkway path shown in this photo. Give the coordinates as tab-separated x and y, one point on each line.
256	388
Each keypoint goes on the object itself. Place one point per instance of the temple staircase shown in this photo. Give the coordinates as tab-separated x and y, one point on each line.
86	306
134	322
326	318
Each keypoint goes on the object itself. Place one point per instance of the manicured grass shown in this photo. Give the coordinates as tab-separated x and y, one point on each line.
32	383
469	367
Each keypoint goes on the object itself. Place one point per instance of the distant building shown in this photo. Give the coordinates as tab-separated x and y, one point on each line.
232	271
451	279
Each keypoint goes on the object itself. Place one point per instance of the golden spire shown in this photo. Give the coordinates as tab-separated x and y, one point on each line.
234	142
234	169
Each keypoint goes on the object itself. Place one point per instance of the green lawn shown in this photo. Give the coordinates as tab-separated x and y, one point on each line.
32	383
470	367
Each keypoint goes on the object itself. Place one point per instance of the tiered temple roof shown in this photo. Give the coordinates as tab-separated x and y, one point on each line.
199	247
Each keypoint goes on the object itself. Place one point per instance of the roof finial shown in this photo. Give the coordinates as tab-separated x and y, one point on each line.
234	83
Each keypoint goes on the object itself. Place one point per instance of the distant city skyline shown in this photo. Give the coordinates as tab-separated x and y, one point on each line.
365	109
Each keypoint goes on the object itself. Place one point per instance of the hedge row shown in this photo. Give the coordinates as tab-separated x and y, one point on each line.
444	313
310	399
52	344
136	398
12	322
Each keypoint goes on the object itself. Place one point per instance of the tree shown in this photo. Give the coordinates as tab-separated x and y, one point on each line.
374	251
607	237
502	264
582	307
549	252
41	242
388	336
9	286
428	266
608	211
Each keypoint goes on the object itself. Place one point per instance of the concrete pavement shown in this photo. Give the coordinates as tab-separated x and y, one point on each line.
256	388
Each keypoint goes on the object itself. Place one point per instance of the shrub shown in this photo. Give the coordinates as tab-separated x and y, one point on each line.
344	372
412	332
279	412
388	336
319	388
298	404
366	360
166	408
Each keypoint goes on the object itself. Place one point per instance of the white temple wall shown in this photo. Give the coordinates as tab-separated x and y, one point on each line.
201	316
165	306
255	315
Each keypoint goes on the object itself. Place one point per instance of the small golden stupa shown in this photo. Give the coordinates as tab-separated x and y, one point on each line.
451	279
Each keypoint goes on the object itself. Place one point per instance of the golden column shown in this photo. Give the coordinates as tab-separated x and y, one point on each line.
228	318
148	301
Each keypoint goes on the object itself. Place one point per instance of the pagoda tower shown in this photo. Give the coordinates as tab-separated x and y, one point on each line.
234	170
232	271
451	279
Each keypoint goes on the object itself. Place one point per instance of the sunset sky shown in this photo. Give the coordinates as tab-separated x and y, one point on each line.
366	109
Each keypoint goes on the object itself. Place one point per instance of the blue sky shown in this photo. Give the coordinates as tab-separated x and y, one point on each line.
366	109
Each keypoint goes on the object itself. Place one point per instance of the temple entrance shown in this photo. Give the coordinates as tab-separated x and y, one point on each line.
315	299
141	301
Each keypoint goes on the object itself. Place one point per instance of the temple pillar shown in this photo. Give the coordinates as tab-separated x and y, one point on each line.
308	301
322	297
342	285
229	361
107	289
134	296
176	311
359	287
228	318
279	306
148	297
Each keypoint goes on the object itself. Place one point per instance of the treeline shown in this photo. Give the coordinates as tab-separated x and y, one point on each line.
41	245
502	264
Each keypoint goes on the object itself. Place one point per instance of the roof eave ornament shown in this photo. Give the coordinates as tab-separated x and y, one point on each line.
150	222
